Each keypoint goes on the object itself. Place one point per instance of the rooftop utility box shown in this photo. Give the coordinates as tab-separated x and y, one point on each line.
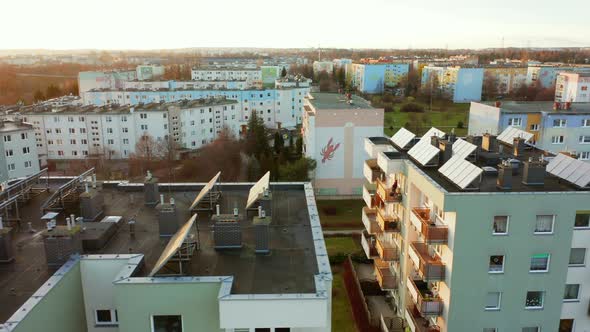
533	173
91	205
265	202
168	221
262	234
504	176
489	143
60	243
6	251
151	193
227	231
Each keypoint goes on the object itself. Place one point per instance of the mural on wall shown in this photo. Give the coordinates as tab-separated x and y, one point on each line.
328	151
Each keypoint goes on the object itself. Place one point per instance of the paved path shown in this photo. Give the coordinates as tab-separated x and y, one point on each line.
342	231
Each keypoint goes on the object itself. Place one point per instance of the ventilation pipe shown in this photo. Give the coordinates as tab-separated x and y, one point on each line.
93	181
236	212
259	211
217	209
1	224
86	187
172	202
162	199
68	225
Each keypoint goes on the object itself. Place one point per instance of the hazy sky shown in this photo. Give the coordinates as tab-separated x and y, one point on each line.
150	24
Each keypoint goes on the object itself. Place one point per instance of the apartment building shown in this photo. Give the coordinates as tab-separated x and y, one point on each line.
478	234
507	78
256	77
545	75
572	87
321	66
150	72
18	151
185	85
89	80
556	127
281	104
375	77
113	131
460	84
243	271
333	130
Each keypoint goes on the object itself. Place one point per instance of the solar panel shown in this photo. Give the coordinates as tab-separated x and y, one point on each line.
572	170
508	135
402	137
423	153
205	190
173	245
463	148
460	171
431	132
257	189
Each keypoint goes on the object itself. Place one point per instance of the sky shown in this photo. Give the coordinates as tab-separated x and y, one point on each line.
402	24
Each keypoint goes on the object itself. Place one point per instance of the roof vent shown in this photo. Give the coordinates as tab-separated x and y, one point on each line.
534	172
504	180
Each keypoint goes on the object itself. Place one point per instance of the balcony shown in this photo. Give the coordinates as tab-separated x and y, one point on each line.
417	323
386	279
433	229
430	266
371	170
369	191
390	162
387	251
374	145
387	223
369	218
368	242
386	193
427	303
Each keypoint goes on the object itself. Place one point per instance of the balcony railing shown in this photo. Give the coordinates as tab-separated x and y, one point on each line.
432	229
416	322
388	223
369	190
369	217
430	266
368	243
371	170
385	277
387	251
427	303
387	194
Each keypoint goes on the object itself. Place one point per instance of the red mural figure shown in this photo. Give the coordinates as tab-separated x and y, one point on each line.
328	151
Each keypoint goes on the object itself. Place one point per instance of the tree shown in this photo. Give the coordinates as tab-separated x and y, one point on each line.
257	136
279	143
53	91
299	147
298	170
284	72
38	96
490	86
412	108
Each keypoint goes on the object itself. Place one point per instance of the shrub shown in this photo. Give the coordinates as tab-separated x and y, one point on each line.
460	124
388	109
337	259
412	108
330	210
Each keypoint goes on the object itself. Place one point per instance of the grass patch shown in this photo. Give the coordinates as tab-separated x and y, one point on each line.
340	214
342	319
341	244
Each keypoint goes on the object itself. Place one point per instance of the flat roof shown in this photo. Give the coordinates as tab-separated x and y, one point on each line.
337	101
540	106
289	268
7	126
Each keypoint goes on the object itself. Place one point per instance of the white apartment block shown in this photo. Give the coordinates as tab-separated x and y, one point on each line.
252	77
572	87
18	151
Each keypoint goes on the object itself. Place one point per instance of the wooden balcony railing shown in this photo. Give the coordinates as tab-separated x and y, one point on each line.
431	267
416	322
368	242
369	217
433	230
427	303
387	194
372	170
385	277
387	251
388	223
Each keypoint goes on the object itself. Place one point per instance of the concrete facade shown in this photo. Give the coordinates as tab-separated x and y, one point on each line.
375	77
572	88
460	84
18	150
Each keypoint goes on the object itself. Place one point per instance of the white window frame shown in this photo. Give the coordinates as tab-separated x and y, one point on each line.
546	267
562	123
503	265
152	321
535	307
577	299
584	155
496	308
512	122
586	123
114	318
507	226
559	139
534	127
584	139
577	264
552	225
532	327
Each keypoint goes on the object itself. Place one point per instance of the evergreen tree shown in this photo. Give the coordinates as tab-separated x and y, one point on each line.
279	143
284	72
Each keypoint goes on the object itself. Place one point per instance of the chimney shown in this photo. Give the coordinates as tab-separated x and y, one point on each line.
534	172
498	104
556	106
489	143
567	106
446	151
518	146
504	176
434	140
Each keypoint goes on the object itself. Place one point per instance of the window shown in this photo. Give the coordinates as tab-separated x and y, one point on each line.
557	139
109	130
144	127
566	325
72	131
106	317
83	130
534	300
534	127
582	220
585	139
515	122
496	264
489	329
7	138
282	329
577	257
571	293
24	136
143	116
9	153
262	329
584	155
500	225
586	123
559	123
28	164
26	150
531	329
540	263
493	301
168	323
11	167
544	224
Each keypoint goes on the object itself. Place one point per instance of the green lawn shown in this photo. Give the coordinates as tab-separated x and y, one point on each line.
341	244
342	320
347	213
